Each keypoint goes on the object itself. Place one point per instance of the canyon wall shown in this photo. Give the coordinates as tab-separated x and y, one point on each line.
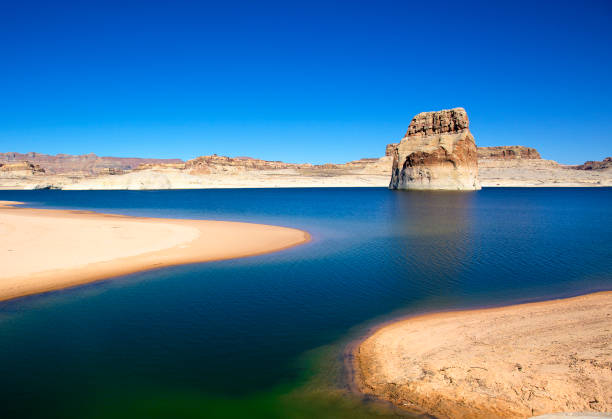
511	152
497	166
519	166
90	172
605	164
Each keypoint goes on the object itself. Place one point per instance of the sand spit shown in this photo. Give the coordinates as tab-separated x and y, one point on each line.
43	250
509	362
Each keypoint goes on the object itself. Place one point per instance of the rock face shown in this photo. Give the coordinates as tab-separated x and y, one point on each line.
437	152
391	149
497	166
21	166
92	172
517	166
215	164
509	152
596	165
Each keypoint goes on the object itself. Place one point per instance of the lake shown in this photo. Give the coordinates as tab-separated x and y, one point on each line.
264	336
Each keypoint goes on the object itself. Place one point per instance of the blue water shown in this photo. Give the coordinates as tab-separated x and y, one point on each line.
264	336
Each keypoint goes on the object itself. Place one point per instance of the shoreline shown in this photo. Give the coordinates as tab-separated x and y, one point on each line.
74	247
354	364
485	185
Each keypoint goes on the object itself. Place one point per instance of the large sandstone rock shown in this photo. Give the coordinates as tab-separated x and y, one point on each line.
437	152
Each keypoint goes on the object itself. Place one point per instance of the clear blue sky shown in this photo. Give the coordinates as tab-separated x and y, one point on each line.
301	81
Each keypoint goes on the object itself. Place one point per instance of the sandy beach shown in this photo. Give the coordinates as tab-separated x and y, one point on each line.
43	250
510	362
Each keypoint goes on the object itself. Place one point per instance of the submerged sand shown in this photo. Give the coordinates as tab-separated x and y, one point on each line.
43	250
509	362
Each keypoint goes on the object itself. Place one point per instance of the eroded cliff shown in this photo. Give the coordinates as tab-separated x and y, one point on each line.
437	152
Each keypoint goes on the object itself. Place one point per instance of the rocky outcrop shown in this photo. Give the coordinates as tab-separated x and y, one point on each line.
596	165
437	152
391	148
21	166
242	172
206	172
160	166
518	166
510	157
510	152
214	164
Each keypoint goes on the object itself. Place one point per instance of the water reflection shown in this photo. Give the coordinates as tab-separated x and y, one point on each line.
435	235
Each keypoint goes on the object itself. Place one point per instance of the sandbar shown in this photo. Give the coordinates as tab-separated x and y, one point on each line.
509	362
43	250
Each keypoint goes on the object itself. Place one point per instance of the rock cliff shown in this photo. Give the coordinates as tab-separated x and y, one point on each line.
596	165
391	149
21	166
497	166
510	157
214	164
437	152
508	152
89	172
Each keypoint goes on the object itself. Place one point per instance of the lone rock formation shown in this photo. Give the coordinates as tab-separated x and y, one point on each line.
437	152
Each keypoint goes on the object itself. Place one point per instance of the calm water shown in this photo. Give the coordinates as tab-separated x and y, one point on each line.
264	336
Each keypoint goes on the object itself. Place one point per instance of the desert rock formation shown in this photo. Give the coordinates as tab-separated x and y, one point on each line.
498	166
233	165
91	172
596	165
80	164
24	167
520	166
508	152
437	152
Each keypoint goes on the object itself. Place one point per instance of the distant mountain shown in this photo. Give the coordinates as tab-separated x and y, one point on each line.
596	165
81	164
498	166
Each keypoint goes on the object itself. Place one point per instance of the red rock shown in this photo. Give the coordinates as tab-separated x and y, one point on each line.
437	152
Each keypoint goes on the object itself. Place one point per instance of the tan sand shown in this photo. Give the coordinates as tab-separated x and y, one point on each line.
43	250
509	362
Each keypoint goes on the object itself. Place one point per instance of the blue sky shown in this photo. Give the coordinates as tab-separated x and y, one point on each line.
301	81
